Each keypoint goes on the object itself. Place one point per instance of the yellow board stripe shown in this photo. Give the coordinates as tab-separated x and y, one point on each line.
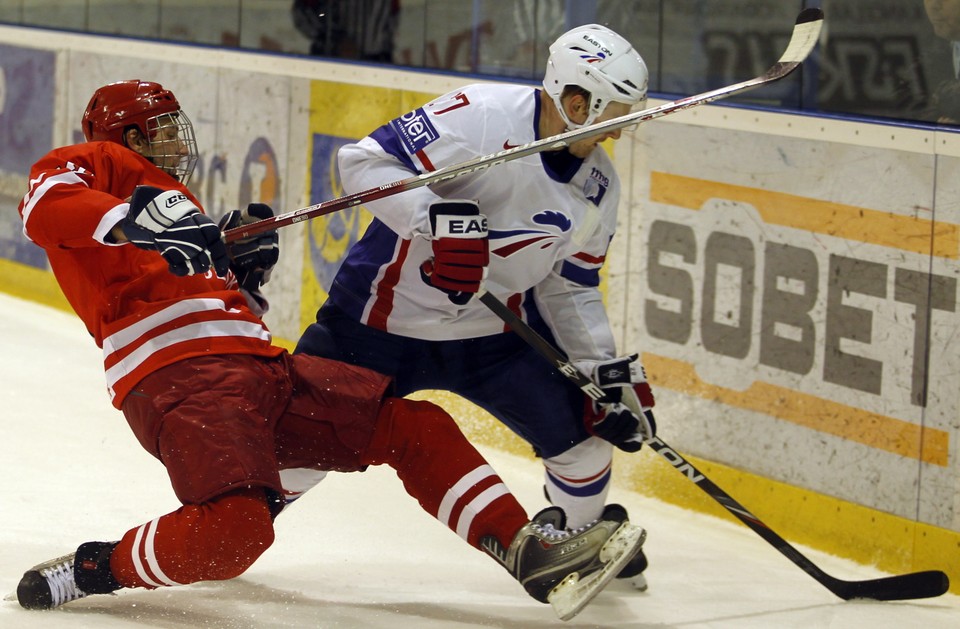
833	219
871	429
29	282
869	536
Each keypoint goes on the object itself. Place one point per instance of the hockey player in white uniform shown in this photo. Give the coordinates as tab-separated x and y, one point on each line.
533	231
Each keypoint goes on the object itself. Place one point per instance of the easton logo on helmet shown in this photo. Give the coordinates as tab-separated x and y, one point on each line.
603	49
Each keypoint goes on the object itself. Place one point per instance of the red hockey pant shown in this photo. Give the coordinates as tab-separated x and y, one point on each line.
221	537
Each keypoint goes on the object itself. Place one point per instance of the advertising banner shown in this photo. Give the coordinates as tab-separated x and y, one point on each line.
27	99
802	296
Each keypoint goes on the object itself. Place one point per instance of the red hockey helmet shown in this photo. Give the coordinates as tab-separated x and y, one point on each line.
146	105
116	106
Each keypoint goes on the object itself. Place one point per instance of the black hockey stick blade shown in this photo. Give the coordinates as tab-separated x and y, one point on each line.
913	585
806	33
902	587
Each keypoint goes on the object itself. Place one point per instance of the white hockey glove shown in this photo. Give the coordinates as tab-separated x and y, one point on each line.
168	222
625	417
461	251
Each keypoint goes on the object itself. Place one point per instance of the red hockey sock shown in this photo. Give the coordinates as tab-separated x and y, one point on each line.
216	540
447	476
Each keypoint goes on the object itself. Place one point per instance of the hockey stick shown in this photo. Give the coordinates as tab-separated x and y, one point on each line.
913	585
806	32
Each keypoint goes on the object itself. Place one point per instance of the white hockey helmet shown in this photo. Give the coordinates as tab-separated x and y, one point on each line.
600	61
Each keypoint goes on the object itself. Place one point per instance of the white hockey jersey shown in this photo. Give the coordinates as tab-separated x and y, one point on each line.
550	216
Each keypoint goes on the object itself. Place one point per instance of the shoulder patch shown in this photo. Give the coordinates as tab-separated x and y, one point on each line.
414	130
596	186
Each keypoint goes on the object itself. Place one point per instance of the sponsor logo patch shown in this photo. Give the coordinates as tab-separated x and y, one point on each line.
596	186
414	130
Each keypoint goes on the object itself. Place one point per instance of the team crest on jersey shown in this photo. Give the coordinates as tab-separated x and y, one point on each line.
555	218
510	242
415	130
596	186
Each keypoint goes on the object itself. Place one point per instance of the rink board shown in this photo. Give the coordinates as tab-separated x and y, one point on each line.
800	296
790	281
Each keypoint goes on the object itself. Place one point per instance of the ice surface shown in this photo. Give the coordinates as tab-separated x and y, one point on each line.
356	552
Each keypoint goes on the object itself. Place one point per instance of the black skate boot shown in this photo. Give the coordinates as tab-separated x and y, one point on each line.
567	568
632	572
68	578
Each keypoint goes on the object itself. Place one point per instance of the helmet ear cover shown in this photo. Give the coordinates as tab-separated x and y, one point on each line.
599	61
146	106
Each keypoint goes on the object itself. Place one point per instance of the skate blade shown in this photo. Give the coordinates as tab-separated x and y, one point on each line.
637	583
12	596
572	594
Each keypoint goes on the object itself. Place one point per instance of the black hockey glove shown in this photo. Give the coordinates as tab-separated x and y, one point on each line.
252	259
168	222
461	251
625	416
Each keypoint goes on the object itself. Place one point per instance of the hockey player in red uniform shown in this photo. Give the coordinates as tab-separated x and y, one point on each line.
191	365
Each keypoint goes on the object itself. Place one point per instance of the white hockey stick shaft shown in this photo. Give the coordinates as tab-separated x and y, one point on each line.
806	33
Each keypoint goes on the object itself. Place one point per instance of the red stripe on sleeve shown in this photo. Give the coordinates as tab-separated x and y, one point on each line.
383	305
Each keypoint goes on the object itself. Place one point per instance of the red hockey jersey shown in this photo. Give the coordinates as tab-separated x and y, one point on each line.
141	315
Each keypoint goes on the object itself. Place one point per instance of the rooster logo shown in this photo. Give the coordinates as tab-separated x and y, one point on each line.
509	242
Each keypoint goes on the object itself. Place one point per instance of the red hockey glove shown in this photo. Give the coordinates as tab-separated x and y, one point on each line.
251	259
168	222
461	251
624	417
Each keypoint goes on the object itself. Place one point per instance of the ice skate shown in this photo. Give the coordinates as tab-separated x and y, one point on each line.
567	568
54	582
49	584
632	572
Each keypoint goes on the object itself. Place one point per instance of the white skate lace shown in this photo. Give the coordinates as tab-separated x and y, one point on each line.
548	532
63	588
588	525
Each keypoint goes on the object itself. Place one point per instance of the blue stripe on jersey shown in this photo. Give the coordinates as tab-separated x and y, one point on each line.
534	318
353	284
536	114
559	165
508	233
580	275
392	145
